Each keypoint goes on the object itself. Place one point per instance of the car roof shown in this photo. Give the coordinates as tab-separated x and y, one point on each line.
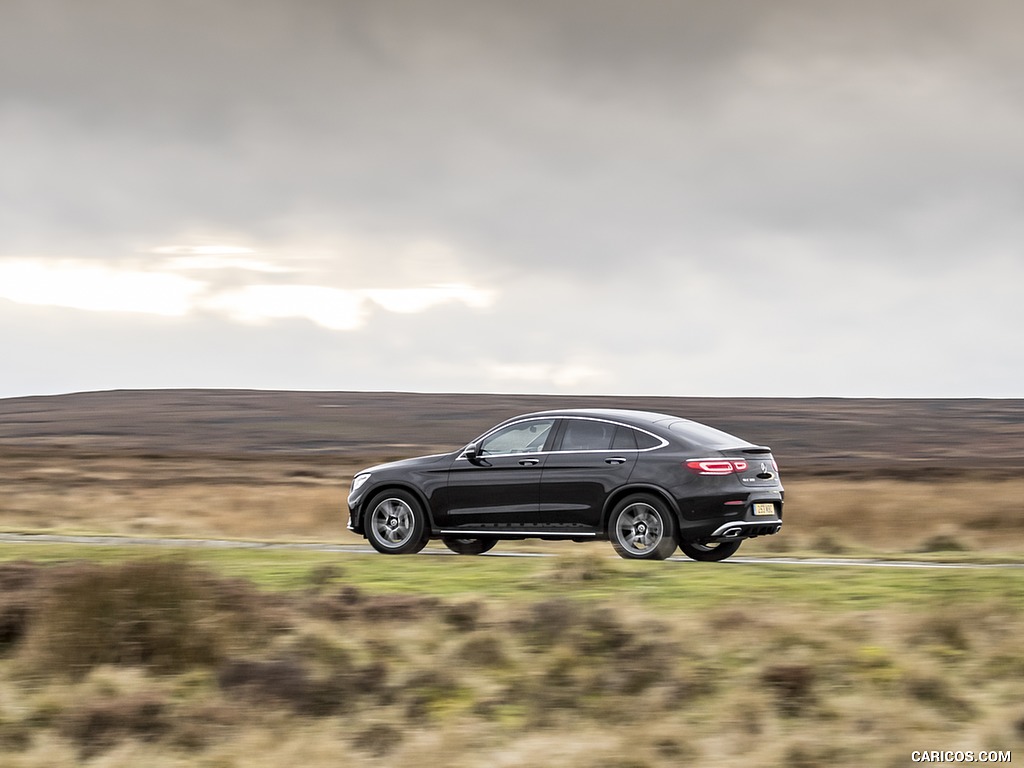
663	424
638	418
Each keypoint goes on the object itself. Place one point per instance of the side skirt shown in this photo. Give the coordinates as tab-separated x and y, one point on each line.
519	533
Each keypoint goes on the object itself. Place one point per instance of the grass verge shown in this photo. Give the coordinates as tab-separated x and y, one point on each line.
111	657
587	576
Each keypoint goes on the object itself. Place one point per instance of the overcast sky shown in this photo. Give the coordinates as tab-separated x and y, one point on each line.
671	198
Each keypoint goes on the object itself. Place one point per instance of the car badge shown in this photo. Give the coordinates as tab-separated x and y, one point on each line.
764	468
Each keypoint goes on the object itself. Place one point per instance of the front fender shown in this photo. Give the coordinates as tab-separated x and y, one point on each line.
357	513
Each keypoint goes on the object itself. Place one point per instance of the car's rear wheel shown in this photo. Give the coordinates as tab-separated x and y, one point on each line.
468	546
642	528
395	523
709	552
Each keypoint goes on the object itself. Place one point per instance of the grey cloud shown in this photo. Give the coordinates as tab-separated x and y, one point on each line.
592	125
658	162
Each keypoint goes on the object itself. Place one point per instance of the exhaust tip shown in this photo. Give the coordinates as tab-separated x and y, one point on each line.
732	533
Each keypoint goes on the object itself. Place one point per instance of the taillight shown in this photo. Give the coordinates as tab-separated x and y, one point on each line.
716	466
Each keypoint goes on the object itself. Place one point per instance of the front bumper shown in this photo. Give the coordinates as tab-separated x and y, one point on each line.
355	522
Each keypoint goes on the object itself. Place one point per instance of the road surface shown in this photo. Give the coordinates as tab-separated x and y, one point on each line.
356	549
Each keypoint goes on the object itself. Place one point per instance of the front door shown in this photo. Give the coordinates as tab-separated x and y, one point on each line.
499	490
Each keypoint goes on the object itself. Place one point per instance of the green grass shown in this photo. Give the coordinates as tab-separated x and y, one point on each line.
588	576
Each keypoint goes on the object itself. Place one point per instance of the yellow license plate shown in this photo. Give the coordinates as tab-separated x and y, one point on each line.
764	509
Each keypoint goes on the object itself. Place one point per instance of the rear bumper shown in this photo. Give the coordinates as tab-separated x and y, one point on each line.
745	530
730	519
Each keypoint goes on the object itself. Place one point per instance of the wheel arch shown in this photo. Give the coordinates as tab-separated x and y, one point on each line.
630	490
399	486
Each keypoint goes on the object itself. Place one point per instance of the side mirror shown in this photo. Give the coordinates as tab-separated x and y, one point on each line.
472	453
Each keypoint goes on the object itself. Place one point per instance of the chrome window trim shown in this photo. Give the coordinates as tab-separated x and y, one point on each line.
663	442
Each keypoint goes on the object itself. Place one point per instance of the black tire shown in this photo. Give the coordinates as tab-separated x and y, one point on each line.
709	553
468	546
395	523
642	528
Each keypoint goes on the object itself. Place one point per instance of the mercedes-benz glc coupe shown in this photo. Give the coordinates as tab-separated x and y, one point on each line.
647	482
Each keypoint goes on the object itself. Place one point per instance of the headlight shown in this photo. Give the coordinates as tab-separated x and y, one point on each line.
358	481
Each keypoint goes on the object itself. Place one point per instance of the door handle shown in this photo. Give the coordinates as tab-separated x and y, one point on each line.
615	460
529	462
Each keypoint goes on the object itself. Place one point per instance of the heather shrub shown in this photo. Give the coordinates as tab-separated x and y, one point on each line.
95	725
284	682
157	614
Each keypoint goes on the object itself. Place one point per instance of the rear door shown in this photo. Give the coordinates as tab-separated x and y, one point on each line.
591	459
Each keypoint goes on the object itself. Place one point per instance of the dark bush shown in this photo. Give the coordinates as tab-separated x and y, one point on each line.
283	681
548	621
483	649
426	689
17	596
198	724
944	541
378	739
342	605
239	601
371	679
938	692
14	619
19	576
463	616
945	629
349	603
581	568
97	725
792	685
640	666
399	607
603	632
155	613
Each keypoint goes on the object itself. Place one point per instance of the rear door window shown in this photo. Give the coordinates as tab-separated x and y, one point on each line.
625	439
587	435
645	441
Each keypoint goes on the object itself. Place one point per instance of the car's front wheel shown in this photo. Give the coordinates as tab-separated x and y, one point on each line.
468	546
395	523
642	528
709	552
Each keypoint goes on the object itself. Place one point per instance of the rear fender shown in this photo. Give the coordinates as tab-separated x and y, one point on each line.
630	490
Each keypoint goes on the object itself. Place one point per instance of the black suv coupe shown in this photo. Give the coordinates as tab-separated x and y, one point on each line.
647	482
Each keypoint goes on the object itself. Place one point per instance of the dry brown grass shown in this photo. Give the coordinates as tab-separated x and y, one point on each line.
247	497
898	516
191	510
303	499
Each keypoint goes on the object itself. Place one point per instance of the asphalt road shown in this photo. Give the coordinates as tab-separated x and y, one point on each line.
355	549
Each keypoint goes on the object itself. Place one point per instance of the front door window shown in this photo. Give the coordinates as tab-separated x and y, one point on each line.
522	437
